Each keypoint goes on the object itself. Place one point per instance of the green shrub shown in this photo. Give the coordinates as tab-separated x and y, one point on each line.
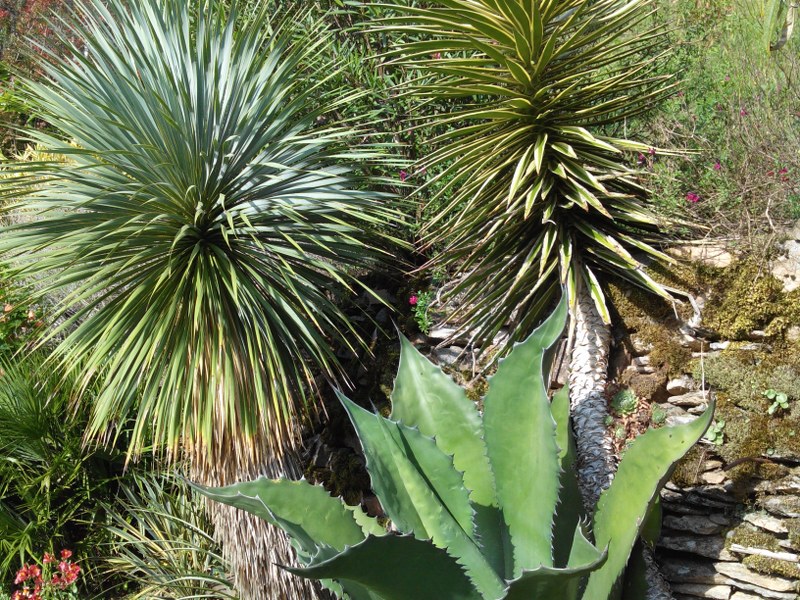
458	487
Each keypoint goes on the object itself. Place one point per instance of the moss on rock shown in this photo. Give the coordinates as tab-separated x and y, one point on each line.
772	566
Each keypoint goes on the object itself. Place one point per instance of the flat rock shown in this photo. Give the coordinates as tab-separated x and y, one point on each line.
782	506
766	522
674	420
713	255
694	523
680	570
679	385
786	268
793	333
715	592
719	345
690	399
786	485
713	477
709	547
448	356
739	572
744	596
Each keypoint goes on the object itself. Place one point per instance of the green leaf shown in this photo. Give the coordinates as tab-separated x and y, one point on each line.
424	397
398	568
307	512
421	491
569	512
562	583
623	507
521	438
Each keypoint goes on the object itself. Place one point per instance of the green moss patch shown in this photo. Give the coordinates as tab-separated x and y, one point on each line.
772	566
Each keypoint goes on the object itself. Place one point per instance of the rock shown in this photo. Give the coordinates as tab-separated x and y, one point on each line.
711	465
716	592
640	347
739	572
705	354
698	410
696	524
782	506
674	420
442	333
786	268
679	386
681	570
382	316
786	485
757	334
766	522
793	333
713	477
448	356
719	345
691	342
709	547
711	254
752	347
744	596
787	556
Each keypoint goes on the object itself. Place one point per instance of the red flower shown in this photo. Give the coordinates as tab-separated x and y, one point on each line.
403	175
22	574
743	112
717	166
65	554
413	300
48	558
692	197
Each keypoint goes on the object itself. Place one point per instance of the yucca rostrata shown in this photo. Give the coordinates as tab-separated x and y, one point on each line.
482	506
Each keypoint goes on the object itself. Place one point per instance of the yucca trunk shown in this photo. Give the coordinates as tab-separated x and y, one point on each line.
253	547
587	380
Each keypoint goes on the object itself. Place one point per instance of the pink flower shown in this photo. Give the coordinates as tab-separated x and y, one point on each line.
403	175
692	197
680	94
783	171
413	300
717	166
436	55
743	112
65	554
48	558
652	152
640	160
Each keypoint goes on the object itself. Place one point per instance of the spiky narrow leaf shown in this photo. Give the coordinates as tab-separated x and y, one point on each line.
424	397
398	568
521	438
644	468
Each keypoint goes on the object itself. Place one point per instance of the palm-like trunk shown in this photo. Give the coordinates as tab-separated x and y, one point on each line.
587	380
252	546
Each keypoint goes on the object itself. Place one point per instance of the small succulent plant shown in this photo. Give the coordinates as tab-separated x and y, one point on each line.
624	402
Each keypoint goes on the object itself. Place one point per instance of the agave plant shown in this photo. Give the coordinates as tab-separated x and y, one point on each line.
779	16
482	506
197	238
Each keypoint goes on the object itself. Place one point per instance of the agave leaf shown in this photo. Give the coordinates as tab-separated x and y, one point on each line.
397	568
426	398
644	468
521	438
570	507
307	512
421	491
564	584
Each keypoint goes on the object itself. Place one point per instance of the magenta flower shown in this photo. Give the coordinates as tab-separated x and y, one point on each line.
652	152
692	197
743	112
403	175
413	300
717	166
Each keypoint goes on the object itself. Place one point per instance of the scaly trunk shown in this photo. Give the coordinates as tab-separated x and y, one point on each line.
253	547
587	380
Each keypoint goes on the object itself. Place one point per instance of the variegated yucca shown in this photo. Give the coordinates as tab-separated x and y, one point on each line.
535	194
485	506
